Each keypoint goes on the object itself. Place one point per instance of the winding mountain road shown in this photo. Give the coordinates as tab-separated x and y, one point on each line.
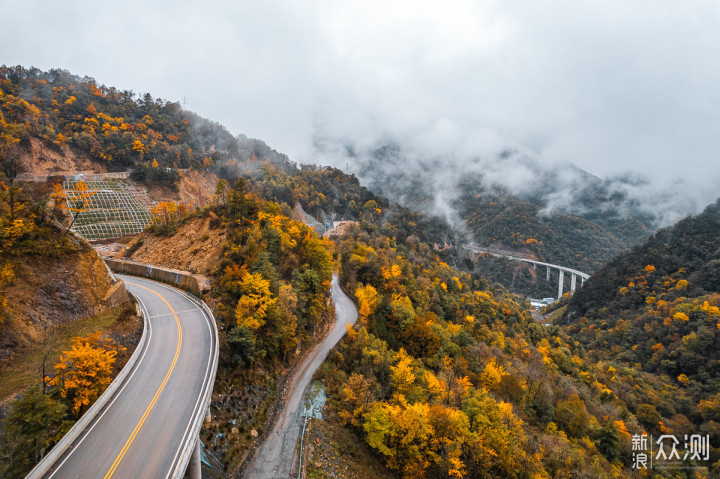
275	457
144	428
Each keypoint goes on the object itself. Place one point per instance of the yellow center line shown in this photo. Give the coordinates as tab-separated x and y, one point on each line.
157	393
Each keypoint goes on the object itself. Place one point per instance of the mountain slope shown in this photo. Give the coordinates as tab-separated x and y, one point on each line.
656	309
692	245
561	215
67	121
446	374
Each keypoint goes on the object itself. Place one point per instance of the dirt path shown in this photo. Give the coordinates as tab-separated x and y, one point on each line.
275	457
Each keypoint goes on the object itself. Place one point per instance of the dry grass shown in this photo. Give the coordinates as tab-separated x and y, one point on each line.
25	369
333	451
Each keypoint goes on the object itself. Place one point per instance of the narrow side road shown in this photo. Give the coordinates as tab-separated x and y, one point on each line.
274	458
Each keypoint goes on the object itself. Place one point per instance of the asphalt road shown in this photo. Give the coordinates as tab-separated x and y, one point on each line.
139	432
276	456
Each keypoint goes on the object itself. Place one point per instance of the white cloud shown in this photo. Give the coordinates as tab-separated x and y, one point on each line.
610	86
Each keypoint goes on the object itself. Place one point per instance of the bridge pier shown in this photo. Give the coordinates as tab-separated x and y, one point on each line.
560	283
547	278
573	282
195	466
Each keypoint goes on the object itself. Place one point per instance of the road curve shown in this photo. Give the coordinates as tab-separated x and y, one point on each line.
141	430
274	458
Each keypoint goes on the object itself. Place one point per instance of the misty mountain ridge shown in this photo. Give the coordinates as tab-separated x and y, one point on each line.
430	182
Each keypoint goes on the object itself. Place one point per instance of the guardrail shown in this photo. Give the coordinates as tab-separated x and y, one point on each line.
193	435
43	467
182	279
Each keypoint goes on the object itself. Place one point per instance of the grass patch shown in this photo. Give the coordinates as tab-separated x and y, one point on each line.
25	369
553	317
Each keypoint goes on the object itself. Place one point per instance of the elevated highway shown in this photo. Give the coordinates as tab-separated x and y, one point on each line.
146	424
574	274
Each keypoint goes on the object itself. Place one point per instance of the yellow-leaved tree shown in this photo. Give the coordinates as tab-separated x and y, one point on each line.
400	432
167	213
79	201
85	370
256	298
402	374
368	298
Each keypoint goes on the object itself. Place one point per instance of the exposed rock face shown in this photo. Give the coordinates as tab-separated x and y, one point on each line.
341	229
48	291
195	247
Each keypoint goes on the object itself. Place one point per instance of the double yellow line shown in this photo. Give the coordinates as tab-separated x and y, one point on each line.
157	393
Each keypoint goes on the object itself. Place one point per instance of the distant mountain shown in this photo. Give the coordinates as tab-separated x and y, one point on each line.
559	215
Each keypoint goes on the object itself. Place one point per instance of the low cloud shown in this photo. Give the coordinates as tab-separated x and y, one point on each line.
610	86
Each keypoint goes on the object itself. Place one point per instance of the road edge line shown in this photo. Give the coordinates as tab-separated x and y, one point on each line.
196	425
43	467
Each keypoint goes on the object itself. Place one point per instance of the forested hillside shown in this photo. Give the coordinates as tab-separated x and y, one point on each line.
514	204
447	374
53	286
656	309
450	377
116	130
270	281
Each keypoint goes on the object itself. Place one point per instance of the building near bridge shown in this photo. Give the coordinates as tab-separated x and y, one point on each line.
541	303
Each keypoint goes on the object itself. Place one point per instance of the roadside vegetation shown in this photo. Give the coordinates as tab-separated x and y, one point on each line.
55	390
446	374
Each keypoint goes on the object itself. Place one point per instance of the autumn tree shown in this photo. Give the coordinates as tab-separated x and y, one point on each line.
220	192
356	397
85	370
58	199
401	433
572	416
283	321
368	298
78	202
166	214
140	147
255	299
403	375
402	311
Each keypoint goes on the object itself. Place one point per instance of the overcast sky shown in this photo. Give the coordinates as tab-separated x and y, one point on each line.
610	85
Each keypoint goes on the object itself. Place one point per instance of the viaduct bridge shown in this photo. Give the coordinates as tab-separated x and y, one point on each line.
574	274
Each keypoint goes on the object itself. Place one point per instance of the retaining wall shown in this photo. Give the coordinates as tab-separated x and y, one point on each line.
181	279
